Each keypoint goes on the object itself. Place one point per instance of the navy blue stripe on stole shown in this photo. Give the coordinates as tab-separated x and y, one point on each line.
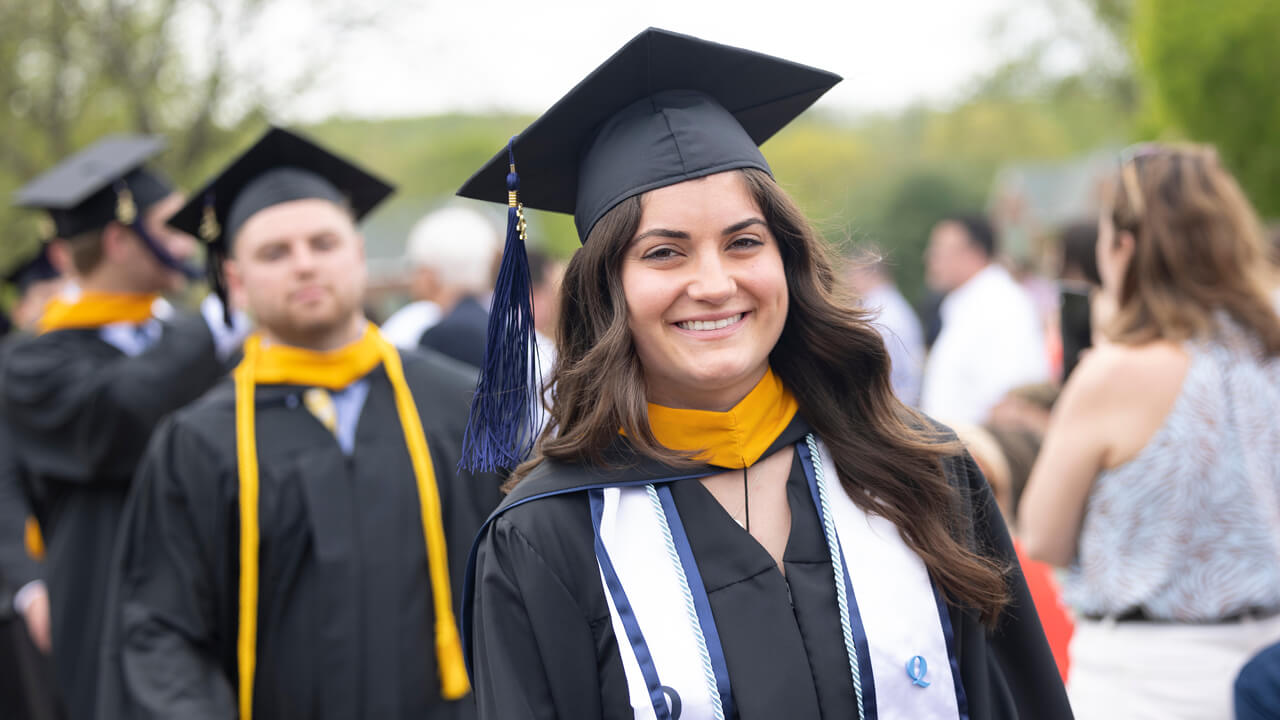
469	575
962	701
855	618
626	614
700	601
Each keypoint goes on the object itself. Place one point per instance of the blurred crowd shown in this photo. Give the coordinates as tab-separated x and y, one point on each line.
1125	421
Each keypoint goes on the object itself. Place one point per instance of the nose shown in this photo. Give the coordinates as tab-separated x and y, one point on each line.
304	259
713	281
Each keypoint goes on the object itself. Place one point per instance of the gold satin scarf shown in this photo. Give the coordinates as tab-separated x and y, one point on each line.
733	439
334	370
95	309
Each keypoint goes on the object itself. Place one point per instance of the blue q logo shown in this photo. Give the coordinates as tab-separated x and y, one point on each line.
917	668
673	701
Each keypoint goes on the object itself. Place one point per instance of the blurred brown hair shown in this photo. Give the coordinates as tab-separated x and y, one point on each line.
1198	249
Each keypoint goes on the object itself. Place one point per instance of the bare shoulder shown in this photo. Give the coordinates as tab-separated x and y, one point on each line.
1121	394
1113	373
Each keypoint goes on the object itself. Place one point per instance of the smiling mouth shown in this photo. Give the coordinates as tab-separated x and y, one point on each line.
696	325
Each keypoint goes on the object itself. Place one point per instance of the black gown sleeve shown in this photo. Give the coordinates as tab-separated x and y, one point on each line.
83	415
1009	672
164	653
533	649
17	567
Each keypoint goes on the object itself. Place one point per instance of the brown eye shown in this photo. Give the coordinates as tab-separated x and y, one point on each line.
662	253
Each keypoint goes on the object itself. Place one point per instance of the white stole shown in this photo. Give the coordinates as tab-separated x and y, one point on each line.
895	601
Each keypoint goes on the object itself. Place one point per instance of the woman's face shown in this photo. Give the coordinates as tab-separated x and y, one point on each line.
706	292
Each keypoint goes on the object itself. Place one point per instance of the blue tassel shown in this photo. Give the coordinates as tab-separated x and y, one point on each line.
500	429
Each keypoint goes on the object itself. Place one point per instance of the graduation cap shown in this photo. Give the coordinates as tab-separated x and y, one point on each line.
280	167
106	182
663	109
34	269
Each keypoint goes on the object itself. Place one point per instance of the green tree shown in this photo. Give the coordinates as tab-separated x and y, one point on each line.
1210	73
74	70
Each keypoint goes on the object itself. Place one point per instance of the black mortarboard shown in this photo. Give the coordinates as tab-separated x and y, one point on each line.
105	182
32	270
280	167
665	108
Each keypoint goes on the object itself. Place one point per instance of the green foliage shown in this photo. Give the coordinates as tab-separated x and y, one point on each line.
879	181
1210	72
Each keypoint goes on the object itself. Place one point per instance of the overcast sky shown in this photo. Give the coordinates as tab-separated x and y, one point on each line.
431	56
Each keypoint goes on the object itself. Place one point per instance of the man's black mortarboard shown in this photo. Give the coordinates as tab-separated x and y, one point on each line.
34	269
280	167
664	109
106	182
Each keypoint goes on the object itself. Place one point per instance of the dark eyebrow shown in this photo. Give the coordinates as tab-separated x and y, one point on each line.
738	227
661	232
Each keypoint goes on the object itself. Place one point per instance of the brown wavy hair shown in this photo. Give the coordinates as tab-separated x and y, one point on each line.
1198	249
828	355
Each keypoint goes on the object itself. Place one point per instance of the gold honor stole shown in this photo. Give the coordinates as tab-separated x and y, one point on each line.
94	310
334	370
733	439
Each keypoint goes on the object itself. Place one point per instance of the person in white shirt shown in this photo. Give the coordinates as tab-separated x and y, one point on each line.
991	341
873	286
451	253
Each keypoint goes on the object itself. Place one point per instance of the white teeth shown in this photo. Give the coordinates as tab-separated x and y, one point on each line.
710	324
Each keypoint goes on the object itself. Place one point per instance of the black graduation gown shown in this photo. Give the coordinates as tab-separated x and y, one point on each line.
80	412
345	618
542	645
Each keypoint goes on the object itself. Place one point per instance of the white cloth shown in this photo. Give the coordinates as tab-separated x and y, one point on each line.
1161	671
991	342
898	325
405	326
633	537
226	340
898	609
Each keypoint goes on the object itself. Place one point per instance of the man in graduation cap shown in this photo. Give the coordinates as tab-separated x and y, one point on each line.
109	359
298	533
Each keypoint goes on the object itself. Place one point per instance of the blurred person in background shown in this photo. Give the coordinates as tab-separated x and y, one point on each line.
1006	454
991	340
872	284
1158	485
297	536
110	359
451	255
464	247
26	671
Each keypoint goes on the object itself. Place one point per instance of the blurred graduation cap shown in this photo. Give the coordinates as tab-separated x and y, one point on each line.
663	109
35	268
103	183
280	167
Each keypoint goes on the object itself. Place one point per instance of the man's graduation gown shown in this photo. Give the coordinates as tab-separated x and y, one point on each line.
345	619
542	644
80	412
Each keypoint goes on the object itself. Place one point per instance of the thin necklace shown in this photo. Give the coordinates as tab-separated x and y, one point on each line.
746	499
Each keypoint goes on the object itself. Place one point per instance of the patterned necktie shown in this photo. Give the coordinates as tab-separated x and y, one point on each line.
319	403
